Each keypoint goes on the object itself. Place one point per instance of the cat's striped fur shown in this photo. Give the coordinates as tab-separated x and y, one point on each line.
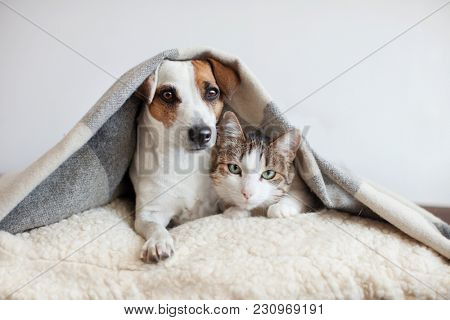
252	155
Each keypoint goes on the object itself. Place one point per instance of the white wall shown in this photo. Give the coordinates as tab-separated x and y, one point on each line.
387	119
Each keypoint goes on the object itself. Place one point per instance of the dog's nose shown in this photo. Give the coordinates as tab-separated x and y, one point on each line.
200	135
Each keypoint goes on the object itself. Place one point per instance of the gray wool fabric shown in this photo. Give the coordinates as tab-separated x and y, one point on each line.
89	167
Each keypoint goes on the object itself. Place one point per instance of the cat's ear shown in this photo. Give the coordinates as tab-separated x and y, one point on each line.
229	126
287	144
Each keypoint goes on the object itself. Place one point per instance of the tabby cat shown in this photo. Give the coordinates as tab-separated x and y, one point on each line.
253	175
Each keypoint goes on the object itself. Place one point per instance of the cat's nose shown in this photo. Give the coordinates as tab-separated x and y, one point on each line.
246	194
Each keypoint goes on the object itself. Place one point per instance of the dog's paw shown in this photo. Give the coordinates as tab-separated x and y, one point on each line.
158	247
236	213
281	210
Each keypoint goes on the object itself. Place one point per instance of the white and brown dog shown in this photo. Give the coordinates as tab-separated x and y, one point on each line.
177	128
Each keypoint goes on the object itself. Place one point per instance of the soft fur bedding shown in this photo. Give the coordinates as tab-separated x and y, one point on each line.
324	255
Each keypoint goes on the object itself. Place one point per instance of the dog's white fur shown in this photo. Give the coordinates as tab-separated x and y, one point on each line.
178	187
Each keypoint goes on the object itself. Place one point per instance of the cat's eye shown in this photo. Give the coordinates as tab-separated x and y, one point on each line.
234	168
268	174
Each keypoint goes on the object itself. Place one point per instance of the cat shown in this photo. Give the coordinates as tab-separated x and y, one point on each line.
255	176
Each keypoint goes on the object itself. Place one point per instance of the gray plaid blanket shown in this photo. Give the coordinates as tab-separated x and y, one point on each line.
88	167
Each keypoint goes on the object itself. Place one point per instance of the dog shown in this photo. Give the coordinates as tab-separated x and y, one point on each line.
183	101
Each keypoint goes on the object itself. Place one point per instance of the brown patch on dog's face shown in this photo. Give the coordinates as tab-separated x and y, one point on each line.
163	110
207	86
162	114
227	79
164	105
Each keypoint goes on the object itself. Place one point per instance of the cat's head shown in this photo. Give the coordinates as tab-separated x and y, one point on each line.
249	170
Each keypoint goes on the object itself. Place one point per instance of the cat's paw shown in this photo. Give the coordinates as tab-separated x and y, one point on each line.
236	213
282	210
158	247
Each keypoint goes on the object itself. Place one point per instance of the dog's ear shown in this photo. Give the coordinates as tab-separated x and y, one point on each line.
227	79
146	90
229	127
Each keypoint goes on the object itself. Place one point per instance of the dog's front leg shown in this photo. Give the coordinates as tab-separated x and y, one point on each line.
159	243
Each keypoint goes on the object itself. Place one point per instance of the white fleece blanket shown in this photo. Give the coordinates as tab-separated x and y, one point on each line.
325	255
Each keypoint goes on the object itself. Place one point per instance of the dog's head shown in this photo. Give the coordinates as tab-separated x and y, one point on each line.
187	98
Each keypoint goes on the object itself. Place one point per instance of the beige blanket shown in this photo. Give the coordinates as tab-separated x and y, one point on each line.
323	255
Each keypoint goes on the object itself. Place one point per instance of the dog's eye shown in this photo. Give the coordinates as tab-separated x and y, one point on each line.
212	93
168	95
